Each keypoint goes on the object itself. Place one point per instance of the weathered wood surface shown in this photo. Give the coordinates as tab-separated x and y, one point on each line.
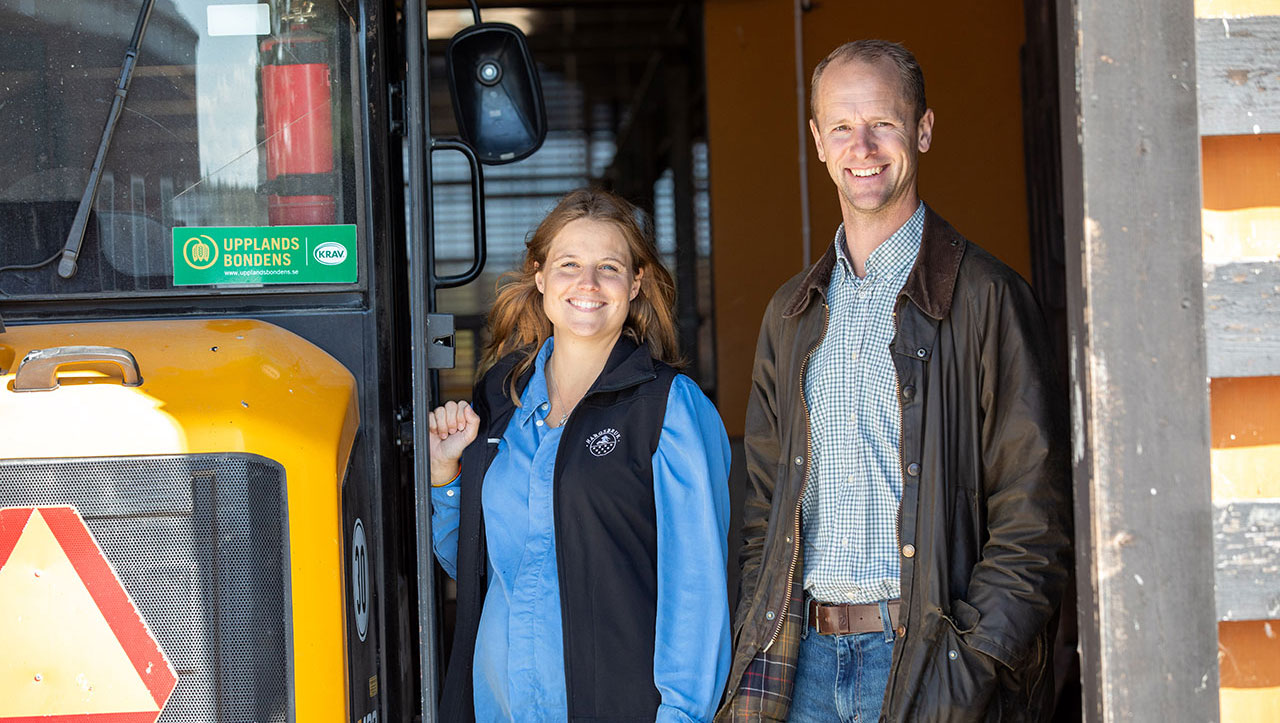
1242	318
1246	543
1140	411
1238	75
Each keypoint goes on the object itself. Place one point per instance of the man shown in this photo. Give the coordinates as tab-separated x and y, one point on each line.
905	539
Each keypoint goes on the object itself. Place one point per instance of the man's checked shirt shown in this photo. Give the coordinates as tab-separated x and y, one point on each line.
850	504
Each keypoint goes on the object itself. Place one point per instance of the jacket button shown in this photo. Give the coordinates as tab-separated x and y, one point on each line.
799	461
900	631
908	550
769	615
922	352
952	654
908	392
913	469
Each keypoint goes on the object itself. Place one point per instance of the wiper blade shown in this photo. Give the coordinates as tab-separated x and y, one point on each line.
71	252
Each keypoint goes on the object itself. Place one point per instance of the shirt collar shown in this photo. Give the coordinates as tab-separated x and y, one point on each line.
895	254
535	392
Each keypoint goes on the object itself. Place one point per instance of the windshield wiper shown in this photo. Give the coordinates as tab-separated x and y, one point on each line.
71	252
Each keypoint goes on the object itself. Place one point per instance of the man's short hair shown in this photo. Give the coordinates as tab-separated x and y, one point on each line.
870	51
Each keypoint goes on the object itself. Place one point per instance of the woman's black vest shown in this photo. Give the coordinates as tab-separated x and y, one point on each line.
606	538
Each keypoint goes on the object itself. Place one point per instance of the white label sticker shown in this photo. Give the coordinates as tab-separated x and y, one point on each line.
330	253
249	19
360	579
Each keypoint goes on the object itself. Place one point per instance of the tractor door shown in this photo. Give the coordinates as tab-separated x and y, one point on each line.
211	368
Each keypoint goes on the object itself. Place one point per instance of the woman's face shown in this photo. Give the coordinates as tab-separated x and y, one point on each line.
586	283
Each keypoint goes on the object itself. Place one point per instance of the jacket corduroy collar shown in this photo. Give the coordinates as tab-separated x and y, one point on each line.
930	284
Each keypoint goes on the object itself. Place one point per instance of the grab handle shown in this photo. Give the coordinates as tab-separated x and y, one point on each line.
38	371
477	216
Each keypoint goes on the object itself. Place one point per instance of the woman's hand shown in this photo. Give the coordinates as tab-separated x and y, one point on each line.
451	428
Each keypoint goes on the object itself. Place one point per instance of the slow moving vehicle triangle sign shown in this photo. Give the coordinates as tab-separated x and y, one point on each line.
74	646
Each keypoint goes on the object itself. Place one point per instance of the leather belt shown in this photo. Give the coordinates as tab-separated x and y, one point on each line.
846	619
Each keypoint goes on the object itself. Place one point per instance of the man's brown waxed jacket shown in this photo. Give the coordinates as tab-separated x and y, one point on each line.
986	503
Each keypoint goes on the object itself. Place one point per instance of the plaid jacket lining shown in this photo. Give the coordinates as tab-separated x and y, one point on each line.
764	693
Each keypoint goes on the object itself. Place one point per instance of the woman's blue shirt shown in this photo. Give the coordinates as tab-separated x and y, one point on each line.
518	671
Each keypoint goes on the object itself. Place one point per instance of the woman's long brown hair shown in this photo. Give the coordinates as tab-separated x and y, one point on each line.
517	320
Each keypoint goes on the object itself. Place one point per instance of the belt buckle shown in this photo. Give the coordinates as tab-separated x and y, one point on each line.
823	611
813	610
824	614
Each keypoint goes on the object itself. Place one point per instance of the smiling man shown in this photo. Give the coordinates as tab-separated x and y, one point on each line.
905	542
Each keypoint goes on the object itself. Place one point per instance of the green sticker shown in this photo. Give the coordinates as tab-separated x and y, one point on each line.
206	255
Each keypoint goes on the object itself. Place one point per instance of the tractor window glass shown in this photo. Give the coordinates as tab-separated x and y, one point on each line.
237	115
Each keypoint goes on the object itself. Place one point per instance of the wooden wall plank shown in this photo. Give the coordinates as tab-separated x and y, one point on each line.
1242	318
1246	542
1242	234
1238	75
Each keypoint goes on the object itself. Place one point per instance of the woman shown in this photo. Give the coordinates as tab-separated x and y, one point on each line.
582	505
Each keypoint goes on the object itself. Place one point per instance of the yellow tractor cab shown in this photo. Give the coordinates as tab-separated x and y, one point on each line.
217	283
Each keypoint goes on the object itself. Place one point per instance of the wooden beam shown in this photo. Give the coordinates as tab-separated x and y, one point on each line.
1246	544
1238	75
1140	412
1242	318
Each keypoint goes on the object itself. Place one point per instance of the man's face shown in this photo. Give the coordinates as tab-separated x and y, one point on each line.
866	133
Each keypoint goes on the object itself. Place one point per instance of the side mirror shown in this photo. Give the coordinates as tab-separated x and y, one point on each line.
497	98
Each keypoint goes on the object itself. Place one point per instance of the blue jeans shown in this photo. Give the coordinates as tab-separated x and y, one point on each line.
842	677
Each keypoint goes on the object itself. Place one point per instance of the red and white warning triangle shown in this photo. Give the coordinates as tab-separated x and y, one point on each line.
75	647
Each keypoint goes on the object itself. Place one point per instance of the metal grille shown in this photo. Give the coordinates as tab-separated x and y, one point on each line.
200	542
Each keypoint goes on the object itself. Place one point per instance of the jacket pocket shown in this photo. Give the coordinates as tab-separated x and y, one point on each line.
964	617
957	683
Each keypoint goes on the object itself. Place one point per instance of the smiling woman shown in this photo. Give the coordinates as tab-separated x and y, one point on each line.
587	282
608	540
597	224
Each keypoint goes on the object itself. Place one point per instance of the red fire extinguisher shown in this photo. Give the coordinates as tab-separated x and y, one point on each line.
297	109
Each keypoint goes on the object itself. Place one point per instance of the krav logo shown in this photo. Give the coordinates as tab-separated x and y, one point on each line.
330	253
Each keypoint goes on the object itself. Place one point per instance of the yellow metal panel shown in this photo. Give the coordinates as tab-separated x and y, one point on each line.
216	386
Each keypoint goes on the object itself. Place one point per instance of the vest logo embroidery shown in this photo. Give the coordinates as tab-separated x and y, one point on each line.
603	442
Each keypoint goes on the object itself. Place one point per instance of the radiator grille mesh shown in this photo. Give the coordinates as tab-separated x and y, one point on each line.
200	543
